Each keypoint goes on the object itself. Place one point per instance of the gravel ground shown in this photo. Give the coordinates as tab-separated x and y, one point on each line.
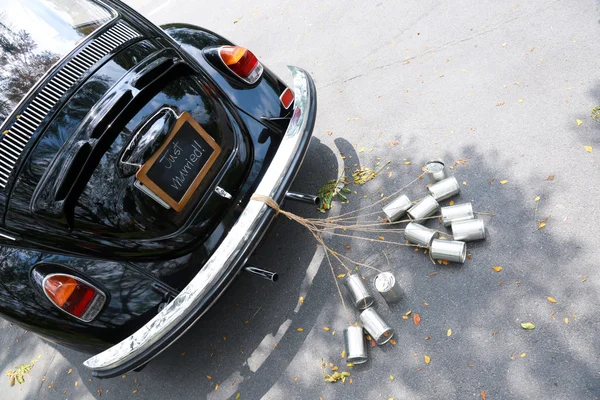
500	87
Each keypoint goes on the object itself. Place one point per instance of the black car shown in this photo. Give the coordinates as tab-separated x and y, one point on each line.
128	158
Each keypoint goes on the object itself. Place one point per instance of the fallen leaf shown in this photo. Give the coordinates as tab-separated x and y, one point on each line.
527	325
550	178
340	276
408	313
343	354
543	223
426	304
483	396
589	149
301	300
69	371
393	341
579	122
497	268
523	355
449	333
566	320
329	133
551	299
208	377
381	238
238	20
427	359
404	317
300	329
500	103
537	198
407	163
76	383
451	203
428	337
504	182
217	387
237	396
326	328
416	319
335	368
520	100
391	377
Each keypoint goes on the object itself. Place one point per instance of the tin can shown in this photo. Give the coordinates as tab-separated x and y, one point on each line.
450	250
388	287
379	330
354	341
468	231
444	189
418	234
397	208
358	292
435	170
457	213
426	208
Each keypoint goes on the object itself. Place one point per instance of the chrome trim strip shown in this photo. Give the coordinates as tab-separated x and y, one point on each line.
224	255
27	123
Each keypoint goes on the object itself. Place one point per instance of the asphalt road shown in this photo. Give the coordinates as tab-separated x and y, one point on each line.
498	84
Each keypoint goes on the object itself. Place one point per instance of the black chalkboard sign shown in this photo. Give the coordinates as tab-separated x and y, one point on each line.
174	172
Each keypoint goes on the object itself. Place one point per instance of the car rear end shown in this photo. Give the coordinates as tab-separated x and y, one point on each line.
74	141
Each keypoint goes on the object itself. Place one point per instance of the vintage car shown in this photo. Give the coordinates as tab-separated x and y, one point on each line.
128	158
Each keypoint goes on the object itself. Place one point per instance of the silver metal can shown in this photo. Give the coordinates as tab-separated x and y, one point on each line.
468	231
379	330
388	287
435	170
444	189
426	208
358	292
356	348
418	234
449	250
397	208
456	213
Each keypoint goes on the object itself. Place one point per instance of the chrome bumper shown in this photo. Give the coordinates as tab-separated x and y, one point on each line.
217	266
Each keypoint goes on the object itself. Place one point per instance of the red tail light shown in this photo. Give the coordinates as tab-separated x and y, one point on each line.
287	98
74	296
241	62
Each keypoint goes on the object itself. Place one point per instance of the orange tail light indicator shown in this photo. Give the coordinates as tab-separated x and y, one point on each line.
74	296
241	62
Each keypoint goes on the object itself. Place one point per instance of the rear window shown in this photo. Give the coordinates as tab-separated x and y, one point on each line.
34	35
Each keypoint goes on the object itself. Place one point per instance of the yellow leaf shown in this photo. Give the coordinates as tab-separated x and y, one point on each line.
343	354
335	368
566	320
427	359
497	268
217	387
300	329
523	355
326	328
381	238
349	365
404	317
589	149
407	163
237	396
208	377
579	122
393	341
541	225
392	377
449	333
70	370
451	203
483	396
527	325
340	276
551	299
520	100
362	150
76	383
504	182
301	300
537	198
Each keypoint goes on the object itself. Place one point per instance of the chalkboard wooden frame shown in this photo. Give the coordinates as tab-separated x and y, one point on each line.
142	177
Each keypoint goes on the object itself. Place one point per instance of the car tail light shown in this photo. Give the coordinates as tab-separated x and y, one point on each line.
241	62
74	296
287	98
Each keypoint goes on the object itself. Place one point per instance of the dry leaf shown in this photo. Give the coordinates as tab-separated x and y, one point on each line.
217	387
329	133
523	355
483	396
566	320
300	329
527	325
407	163
579	122
391	377
449	333
543	223
589	149
427	359
340	276
416	319
537	198
237	396
551	299
326	328
500	103
550	178
504	182
381	238
393	341
520	100
301	300
343	354
451	203
69	371
497	268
